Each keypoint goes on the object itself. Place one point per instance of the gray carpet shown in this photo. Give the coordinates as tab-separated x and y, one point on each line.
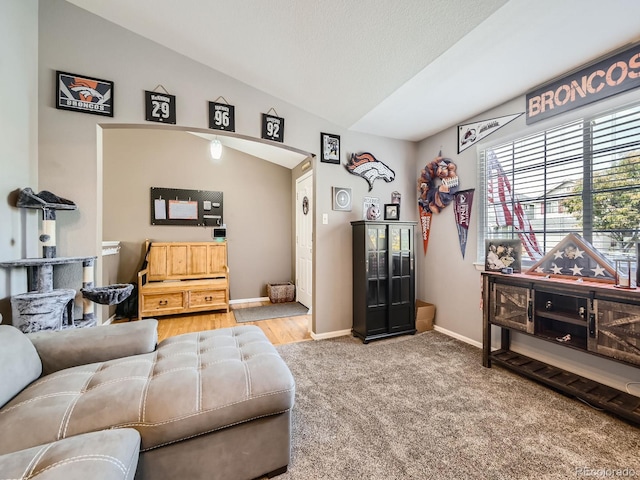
275	310
423	407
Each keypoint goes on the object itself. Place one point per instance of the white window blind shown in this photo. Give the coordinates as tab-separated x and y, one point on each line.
581	177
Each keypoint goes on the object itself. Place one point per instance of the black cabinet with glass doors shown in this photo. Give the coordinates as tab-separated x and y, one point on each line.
383	279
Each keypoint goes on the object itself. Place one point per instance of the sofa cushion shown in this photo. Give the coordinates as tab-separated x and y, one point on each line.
19	362
105	455
70	348
192	384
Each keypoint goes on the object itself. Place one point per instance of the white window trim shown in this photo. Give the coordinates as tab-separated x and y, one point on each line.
597	108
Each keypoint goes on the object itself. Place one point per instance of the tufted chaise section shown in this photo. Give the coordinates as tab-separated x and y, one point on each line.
191	385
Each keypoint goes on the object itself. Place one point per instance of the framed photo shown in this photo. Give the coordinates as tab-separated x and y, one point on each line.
330	146
84	94
392	211
503	253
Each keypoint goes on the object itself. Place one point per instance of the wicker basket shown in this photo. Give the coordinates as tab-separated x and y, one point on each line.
281	292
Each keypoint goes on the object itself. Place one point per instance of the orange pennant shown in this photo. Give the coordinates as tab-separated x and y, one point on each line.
425	224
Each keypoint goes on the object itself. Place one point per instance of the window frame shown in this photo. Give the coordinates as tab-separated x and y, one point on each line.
584	114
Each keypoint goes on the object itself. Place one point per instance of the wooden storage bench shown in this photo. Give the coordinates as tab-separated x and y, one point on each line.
182	277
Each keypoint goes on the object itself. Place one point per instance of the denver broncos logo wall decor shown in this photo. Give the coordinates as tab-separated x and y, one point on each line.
368	167
84	94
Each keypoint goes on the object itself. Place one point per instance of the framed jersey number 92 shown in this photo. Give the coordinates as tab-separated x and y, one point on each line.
272	128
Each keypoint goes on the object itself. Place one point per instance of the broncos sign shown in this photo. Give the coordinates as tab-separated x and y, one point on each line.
84	94
369	168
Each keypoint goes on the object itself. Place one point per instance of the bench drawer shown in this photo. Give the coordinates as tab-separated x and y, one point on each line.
205	298
157	302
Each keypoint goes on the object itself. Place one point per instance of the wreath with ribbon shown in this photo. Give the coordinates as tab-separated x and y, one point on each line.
431	197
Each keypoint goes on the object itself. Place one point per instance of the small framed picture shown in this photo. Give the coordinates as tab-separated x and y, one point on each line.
503	255
330	146
392	211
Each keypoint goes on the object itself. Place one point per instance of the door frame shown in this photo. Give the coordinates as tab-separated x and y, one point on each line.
298	180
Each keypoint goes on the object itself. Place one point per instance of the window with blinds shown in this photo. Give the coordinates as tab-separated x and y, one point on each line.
582	177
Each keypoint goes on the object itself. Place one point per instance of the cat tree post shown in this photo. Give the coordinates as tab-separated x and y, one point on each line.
48	233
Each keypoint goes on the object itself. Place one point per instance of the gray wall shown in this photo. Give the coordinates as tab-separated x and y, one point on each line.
18	140
257	203
70	163
454	284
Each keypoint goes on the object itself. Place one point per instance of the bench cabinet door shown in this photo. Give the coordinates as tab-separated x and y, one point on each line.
217	258
618	330
157	263
511	307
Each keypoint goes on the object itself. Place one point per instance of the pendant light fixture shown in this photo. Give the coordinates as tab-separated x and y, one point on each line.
215	149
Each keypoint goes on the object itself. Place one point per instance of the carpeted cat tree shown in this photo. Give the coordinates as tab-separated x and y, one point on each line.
47	308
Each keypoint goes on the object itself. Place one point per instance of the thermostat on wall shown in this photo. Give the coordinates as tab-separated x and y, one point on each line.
220	233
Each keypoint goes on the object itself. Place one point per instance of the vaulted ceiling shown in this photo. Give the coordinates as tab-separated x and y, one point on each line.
401	69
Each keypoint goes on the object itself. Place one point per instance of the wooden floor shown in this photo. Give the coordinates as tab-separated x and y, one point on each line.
278	330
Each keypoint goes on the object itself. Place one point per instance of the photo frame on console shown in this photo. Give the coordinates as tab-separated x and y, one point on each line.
502	254
392	211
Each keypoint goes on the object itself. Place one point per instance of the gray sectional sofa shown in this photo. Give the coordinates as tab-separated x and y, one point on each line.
213	404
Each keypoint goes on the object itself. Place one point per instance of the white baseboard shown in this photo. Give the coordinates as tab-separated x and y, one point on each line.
248	300
457	336
342	333
324	336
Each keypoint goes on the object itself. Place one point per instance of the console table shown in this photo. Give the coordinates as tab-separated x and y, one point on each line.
592	317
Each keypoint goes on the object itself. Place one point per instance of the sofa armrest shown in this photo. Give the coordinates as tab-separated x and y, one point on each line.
103	455
69	348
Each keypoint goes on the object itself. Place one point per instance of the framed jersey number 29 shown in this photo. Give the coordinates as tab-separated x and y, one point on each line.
160	107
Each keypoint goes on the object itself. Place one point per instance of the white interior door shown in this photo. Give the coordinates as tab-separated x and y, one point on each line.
304	239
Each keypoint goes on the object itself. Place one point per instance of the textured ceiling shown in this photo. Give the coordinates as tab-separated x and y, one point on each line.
401	69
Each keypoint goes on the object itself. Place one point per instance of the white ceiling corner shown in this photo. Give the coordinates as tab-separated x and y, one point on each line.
403	70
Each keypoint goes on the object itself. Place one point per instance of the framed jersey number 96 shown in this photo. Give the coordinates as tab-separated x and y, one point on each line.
222	116
160	107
